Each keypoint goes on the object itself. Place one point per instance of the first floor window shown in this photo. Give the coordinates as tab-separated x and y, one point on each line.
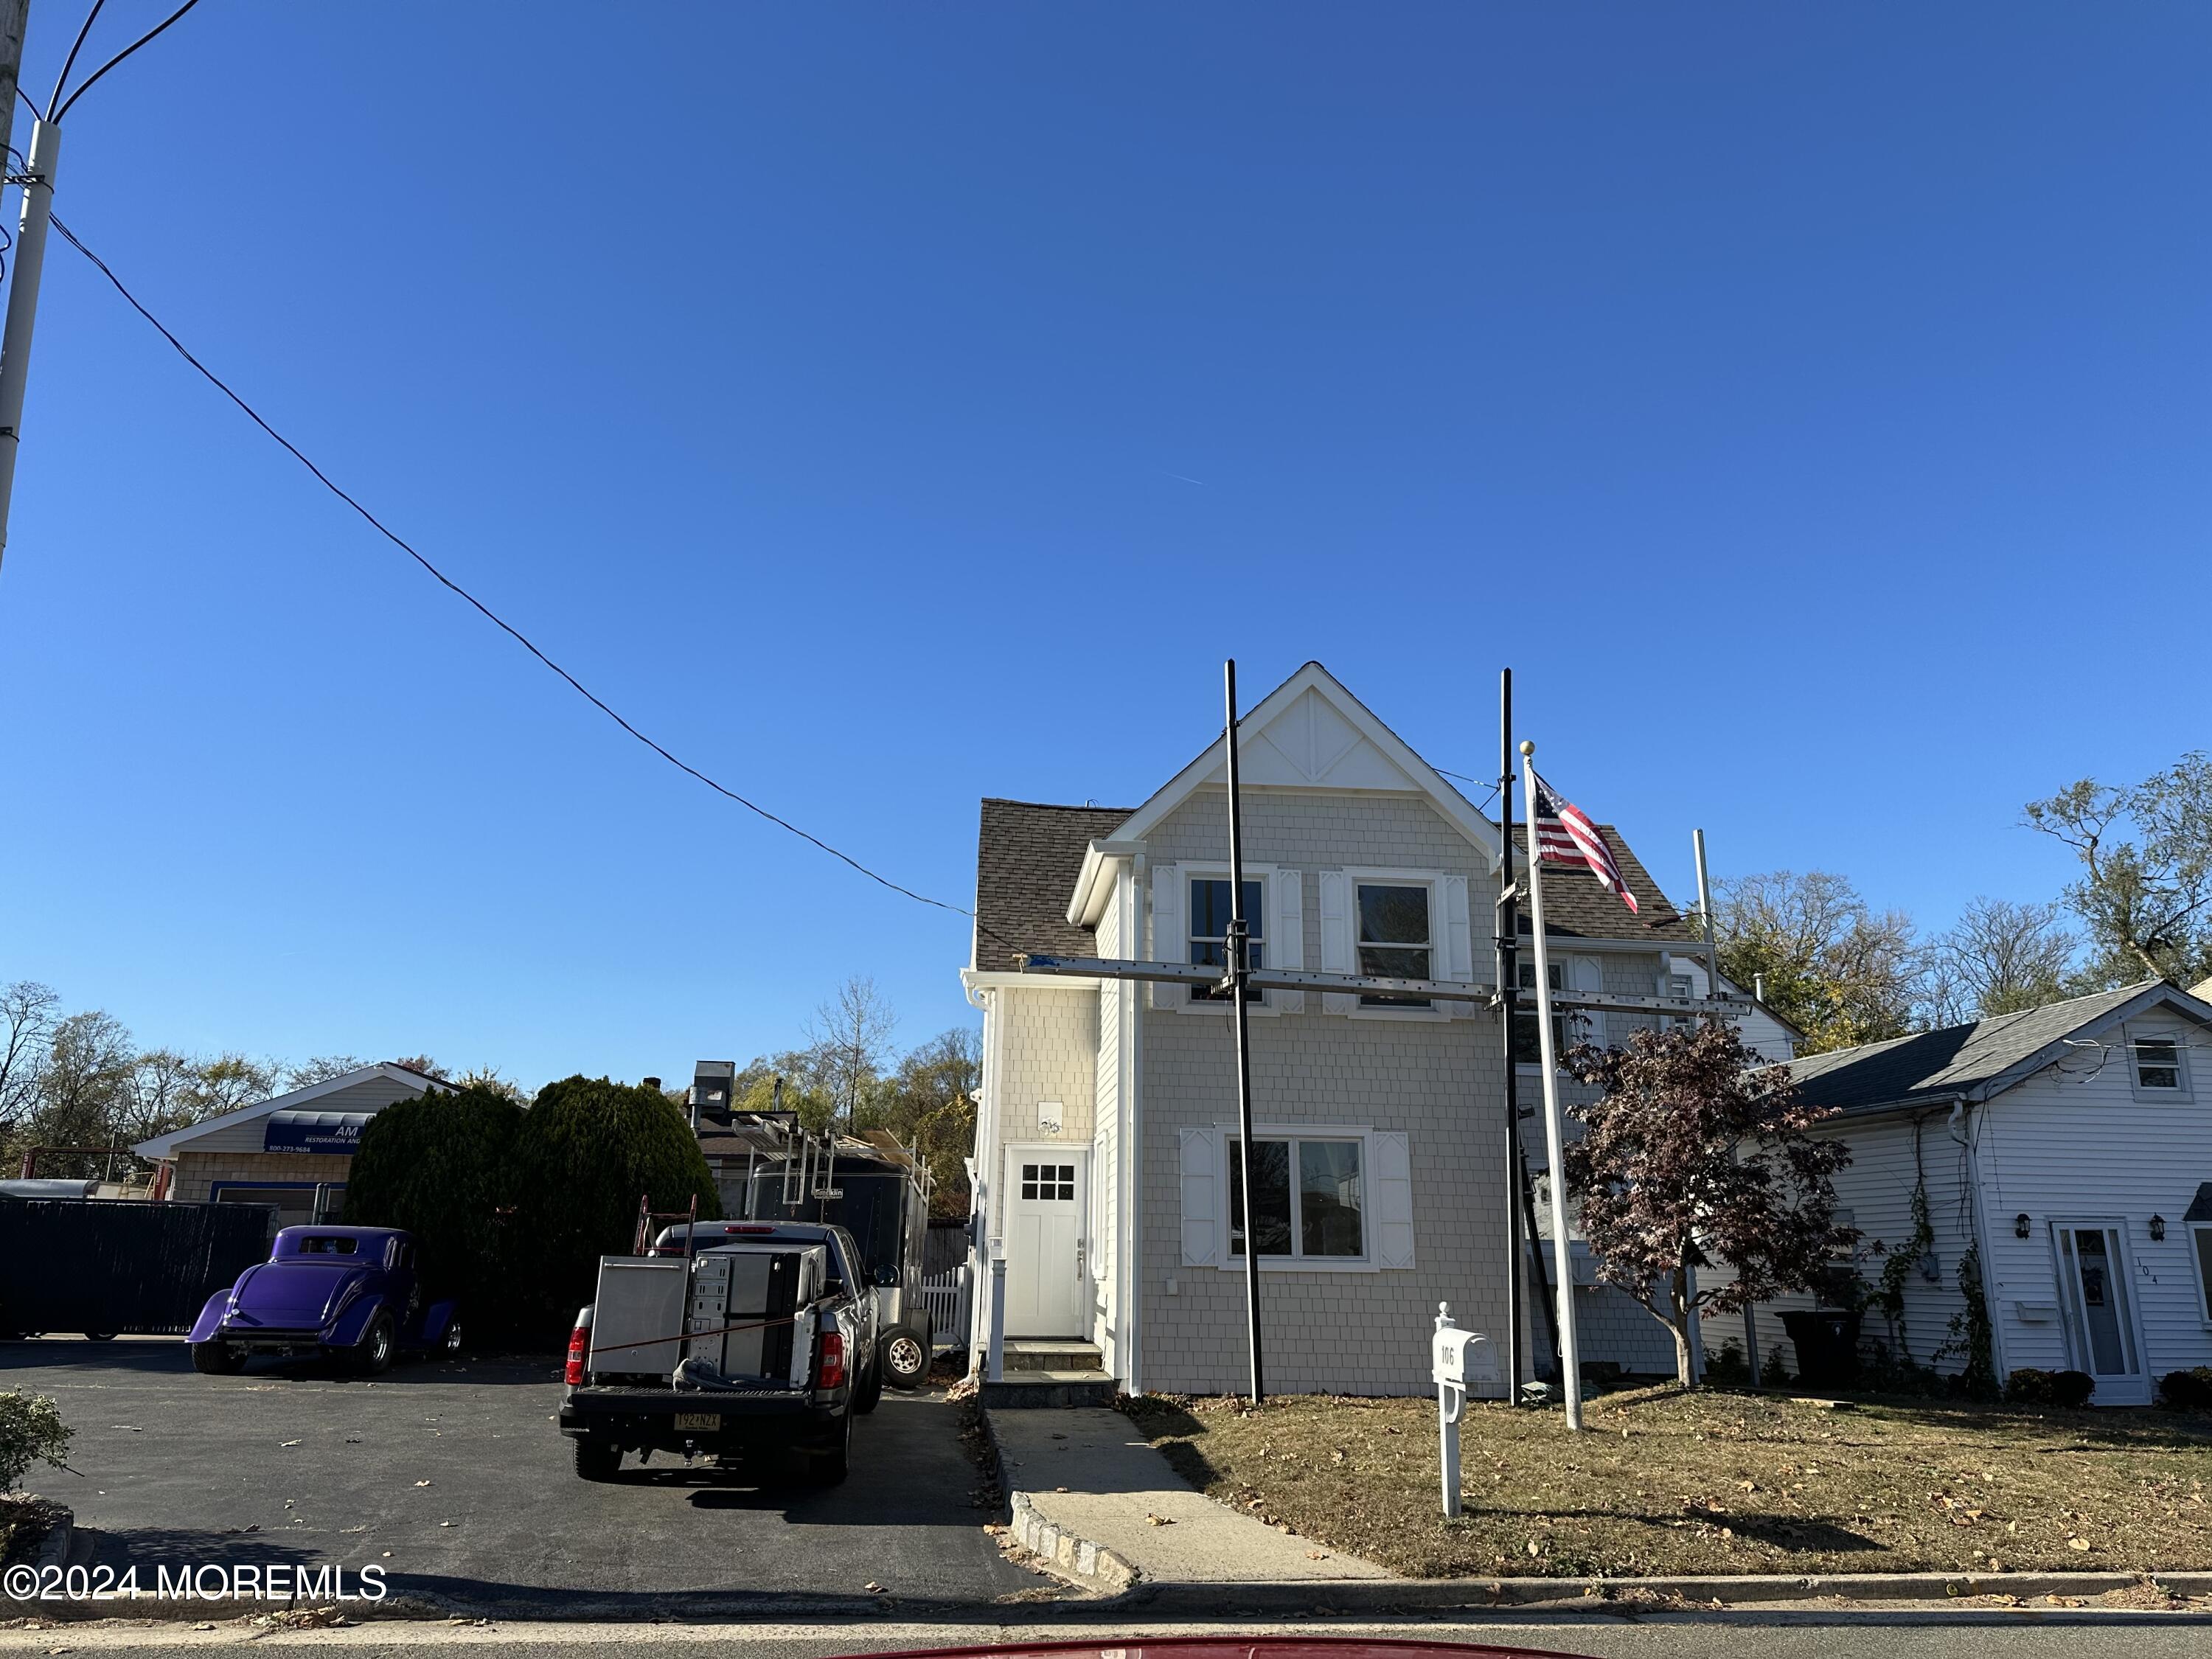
1394	938
1306	1199
1209	932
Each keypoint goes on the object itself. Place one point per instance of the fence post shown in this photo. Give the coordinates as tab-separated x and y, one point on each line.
995	1368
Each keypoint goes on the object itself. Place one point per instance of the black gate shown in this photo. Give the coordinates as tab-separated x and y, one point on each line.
105	1265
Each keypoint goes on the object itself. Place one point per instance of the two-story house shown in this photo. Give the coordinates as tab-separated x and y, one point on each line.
1107	1152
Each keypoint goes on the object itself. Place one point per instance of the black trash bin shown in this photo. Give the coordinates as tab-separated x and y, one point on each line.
1827	1344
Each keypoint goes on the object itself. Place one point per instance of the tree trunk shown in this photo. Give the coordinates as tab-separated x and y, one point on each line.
1685	1372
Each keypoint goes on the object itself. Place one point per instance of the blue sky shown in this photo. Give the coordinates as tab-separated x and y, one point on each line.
889	405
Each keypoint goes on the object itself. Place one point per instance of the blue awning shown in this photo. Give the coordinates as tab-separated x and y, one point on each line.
313	1132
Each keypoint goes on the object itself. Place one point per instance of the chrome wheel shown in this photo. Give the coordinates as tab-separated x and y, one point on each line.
907	1358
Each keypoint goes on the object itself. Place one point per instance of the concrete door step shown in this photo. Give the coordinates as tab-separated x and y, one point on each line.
1049	1390
1036	1354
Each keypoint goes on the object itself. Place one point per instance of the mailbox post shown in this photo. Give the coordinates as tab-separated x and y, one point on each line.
1456	1358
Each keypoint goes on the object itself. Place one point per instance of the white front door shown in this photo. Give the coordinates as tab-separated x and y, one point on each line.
1048	1190
2096	1287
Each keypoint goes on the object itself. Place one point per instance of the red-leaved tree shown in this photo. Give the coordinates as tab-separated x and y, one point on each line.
1700	1151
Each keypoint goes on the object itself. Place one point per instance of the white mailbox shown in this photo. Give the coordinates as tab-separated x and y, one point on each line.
1462	1358
1456	1357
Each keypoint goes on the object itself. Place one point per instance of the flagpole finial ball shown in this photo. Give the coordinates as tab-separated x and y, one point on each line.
1528	747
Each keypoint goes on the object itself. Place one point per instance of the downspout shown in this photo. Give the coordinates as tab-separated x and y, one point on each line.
1133	1091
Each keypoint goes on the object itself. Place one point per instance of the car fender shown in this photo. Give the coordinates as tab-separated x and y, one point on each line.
210	1319
347	1329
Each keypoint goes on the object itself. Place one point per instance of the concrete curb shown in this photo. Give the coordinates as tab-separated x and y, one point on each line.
1079	1557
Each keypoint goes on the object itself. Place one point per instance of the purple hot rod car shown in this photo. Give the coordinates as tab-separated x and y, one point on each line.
346	1293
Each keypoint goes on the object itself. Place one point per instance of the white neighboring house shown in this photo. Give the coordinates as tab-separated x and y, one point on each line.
294	1152
2068	1150
1106	1132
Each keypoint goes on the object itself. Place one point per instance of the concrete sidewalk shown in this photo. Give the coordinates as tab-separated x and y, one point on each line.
1090	1474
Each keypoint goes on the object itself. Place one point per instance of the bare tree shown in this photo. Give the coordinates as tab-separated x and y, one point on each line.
28	1017
1999	958
321	1069
2147	901
848	1041
1839	971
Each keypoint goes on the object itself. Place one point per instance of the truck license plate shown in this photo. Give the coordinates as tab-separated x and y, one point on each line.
698	1420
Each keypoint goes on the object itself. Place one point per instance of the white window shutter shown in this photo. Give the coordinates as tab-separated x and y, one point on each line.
1202	1198
1337	954
1458	941
1170	937
1286	947
1391	1184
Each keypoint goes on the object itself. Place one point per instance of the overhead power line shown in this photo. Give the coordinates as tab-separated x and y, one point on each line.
56	107
488	614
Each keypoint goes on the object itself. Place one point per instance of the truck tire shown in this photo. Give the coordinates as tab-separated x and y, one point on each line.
905	1357
869	1393
372	1355
830	1468
596	1457
217	1359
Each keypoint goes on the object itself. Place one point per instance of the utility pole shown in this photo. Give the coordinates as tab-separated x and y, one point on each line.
1240	984
30	250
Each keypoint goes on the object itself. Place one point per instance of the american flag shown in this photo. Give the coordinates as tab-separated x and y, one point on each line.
1565	835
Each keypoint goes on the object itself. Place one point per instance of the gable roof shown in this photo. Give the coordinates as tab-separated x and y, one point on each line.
1576	905
1311	733
1027	856
1973	1062
165	1146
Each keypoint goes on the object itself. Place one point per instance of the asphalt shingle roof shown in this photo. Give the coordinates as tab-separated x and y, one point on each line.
1028	855
1935	1065
1576	906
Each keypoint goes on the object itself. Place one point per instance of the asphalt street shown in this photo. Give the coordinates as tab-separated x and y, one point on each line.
453	1479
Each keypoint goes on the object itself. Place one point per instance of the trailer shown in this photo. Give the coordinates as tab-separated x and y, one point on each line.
773	1169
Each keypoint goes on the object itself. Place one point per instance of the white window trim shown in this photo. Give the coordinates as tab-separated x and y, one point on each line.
1272	886
1439	936
2189	1230
1227	1134
2183	1094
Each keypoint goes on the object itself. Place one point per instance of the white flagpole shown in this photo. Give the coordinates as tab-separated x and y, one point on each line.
1563	1259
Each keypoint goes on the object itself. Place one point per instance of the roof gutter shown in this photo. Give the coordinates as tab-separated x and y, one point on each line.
1094	885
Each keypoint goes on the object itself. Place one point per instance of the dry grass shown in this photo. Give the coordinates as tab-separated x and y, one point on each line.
1663	1482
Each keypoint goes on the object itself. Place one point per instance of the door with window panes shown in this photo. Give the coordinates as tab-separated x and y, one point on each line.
1048	1197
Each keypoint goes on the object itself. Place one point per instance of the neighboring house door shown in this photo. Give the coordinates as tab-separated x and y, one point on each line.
2096	1288
1048	1193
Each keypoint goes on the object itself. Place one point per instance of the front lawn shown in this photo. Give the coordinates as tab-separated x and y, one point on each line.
1661	1482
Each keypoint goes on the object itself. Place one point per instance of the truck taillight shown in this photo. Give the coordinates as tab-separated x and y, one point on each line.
578	1339
832	1360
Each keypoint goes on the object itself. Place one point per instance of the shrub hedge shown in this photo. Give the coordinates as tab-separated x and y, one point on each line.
2069	1390
443	1167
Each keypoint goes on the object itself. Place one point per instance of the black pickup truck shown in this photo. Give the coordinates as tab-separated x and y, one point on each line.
756	1341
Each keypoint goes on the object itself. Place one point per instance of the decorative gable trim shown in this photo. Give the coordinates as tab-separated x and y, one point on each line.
1311	733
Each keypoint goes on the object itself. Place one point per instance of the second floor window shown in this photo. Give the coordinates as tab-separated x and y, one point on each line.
1394	938
1209	929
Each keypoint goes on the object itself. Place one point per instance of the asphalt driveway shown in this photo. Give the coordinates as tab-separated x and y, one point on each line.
453	1479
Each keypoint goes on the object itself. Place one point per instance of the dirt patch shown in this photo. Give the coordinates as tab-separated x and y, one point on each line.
1665	1483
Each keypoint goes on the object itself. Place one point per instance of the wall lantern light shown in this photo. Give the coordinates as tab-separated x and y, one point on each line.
2158	1226
2020	1225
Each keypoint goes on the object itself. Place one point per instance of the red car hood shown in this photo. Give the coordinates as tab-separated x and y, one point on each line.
291	1295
